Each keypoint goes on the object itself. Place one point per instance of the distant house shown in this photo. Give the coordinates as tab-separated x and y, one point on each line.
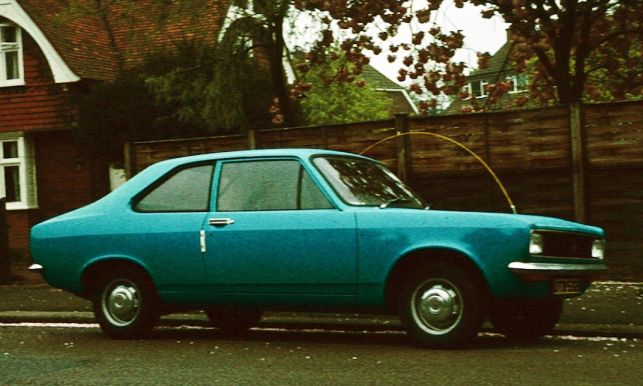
401	101
477	85
47	57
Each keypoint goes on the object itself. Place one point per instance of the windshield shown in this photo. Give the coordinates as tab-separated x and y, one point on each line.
362	182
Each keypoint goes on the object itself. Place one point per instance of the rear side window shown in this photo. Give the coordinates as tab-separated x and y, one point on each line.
268	185
187	190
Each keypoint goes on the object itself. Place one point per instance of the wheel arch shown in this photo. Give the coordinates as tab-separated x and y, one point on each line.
407	263
93	270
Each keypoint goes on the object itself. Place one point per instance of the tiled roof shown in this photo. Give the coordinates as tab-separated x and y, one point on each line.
400	102
499	63
498	69
94	45
376	79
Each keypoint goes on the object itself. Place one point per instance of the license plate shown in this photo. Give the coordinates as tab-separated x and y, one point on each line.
566	287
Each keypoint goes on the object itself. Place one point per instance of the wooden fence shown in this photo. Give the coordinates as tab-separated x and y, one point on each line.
599	181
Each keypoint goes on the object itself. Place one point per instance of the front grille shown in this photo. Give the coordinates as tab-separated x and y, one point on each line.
560	244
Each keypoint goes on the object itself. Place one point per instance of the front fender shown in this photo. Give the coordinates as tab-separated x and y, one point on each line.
386	238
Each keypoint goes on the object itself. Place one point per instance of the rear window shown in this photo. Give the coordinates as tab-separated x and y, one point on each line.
186	190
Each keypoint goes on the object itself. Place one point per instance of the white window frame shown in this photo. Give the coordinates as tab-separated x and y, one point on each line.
26	171
9	47
468	88
515	86
483	89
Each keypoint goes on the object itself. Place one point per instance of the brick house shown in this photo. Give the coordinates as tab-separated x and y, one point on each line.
47	56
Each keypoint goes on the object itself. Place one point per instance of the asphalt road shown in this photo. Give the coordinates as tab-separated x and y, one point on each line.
180	356
607	309
599	342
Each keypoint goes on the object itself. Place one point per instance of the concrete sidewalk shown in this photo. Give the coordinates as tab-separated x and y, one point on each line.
606	309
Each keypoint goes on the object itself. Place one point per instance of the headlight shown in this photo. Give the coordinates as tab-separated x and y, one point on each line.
598	249
564	245
536	244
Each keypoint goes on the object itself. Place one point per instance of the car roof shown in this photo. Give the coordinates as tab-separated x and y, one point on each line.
286	152
150	174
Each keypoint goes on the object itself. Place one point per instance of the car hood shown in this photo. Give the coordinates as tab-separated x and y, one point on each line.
493	220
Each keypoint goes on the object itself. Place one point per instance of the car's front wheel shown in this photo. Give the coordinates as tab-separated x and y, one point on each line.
441	306
126	304
525	319
233	320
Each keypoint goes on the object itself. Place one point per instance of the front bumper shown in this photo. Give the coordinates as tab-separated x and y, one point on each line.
542	271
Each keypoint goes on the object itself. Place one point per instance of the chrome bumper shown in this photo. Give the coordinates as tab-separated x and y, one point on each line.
556	269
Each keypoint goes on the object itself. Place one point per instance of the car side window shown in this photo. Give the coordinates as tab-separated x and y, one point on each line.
267	185
310	195
187	190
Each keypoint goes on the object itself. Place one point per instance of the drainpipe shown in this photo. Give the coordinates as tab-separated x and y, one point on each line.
5	263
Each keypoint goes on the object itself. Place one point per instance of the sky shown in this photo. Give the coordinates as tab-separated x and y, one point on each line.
481	35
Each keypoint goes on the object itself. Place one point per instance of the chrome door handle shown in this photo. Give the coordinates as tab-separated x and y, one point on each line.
221	221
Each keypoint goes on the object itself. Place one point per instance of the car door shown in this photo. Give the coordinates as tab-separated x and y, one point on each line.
163	227
275	232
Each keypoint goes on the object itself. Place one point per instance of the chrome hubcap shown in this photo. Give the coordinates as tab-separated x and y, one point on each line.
437	306
121	303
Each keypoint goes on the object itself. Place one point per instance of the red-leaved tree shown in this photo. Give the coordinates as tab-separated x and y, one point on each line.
573	42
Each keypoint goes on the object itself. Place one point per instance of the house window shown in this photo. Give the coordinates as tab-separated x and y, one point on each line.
11	73
519	83
17	172
476	88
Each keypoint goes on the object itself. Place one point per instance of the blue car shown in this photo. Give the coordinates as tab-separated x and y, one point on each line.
238	233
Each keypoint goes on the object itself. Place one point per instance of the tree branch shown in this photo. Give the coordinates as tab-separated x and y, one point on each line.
637	31
582	51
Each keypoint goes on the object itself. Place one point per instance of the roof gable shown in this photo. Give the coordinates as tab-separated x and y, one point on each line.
100	44
499	68
400	98
498	63
12	11
377	80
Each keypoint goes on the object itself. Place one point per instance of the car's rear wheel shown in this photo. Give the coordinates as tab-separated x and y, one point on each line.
233	320
441	306
525	319
126	304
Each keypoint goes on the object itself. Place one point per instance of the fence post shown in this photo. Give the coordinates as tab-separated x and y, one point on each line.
5	263
579	162
403	146
252	139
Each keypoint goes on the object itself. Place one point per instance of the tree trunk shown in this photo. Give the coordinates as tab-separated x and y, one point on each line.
277	71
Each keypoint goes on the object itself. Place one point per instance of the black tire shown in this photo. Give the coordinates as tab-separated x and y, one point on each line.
442	306
525	319
126	304
232	320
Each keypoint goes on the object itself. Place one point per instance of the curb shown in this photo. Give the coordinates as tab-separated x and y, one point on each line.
292	321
